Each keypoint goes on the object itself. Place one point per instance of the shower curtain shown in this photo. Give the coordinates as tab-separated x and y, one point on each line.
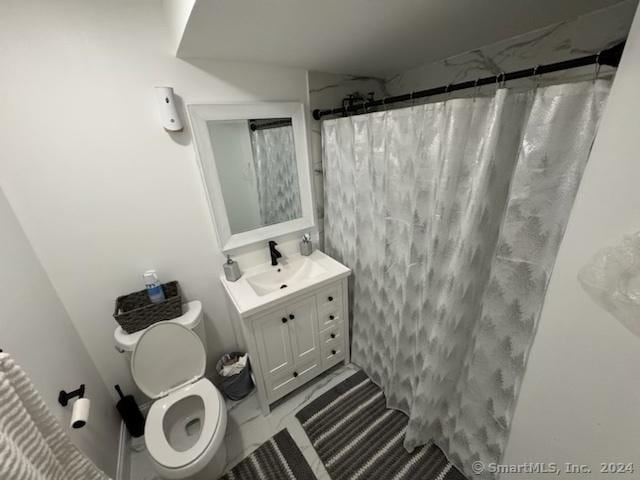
274	158
33	446
450	215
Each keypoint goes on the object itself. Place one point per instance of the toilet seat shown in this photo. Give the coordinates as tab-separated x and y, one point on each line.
157	444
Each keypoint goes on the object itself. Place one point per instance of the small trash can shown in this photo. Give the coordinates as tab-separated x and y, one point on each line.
235	371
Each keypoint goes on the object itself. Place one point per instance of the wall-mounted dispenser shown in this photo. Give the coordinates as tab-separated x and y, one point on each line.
168	112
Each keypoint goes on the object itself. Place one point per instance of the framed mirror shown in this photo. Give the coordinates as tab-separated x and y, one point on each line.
254	160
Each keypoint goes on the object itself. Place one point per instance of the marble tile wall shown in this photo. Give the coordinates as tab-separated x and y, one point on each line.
580	36
583	35
326	90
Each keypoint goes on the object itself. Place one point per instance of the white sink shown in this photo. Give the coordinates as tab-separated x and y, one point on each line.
264	286
285	275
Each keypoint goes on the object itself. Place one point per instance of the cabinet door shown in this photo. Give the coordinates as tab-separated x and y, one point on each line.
274	347
304	331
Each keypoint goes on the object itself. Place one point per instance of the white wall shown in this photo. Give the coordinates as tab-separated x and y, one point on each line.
35	329
580	400
101	190
177	14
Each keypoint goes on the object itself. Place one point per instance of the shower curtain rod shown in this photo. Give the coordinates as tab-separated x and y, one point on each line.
610	56
274	124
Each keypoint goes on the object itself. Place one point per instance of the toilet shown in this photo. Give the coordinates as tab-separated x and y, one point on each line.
187	420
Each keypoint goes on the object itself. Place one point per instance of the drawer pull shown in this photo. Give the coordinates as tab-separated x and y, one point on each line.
295	374
333	335
284	319
330	299
291	316
331	317
333	352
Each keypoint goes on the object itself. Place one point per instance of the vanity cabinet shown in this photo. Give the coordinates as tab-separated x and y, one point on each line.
297	340
292	320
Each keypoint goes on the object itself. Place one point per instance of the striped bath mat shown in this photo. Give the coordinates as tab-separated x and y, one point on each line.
357	437
276	459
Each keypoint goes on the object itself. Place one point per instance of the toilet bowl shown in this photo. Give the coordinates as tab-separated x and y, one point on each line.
186	423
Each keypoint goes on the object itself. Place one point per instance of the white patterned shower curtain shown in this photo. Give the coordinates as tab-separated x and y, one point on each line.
274	157
33	446
450	215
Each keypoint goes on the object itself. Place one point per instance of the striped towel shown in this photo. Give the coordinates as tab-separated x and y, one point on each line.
33	445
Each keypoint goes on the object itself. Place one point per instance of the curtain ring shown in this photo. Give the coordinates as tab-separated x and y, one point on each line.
476	89
384	103
446	92
345	107
536	76
504	79
412	99
597	68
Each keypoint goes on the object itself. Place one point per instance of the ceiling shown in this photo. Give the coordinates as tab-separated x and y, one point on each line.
364	37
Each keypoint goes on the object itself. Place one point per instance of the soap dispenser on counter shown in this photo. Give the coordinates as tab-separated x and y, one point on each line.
231	269
306	247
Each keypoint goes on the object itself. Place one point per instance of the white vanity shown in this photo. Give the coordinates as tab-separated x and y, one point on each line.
294	319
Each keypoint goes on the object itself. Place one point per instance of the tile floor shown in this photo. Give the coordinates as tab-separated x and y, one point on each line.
247	428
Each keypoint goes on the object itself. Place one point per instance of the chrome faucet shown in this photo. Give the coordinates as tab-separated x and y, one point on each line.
275	254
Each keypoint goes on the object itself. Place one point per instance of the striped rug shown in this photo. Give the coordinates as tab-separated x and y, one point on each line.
277	459
357	437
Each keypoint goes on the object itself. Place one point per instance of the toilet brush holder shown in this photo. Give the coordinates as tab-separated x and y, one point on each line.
130	413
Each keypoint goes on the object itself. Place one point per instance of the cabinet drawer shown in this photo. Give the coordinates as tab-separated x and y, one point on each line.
329	317
330	298
332	353
299	376
332	336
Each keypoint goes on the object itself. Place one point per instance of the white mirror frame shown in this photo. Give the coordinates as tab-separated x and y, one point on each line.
199	115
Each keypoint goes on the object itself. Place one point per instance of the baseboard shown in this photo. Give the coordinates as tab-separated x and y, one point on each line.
122	467
124	448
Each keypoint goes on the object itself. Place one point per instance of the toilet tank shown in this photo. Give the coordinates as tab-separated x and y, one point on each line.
191	318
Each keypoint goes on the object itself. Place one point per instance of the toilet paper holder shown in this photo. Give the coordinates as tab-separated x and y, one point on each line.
64	397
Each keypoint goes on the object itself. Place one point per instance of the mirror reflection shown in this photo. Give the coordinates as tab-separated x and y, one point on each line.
256	164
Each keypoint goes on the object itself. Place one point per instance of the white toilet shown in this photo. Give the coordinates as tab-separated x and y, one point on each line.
186	423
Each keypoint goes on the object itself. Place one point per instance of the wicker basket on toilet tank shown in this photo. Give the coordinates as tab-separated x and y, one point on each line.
135	311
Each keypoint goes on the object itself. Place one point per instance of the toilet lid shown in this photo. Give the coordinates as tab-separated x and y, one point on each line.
167	356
